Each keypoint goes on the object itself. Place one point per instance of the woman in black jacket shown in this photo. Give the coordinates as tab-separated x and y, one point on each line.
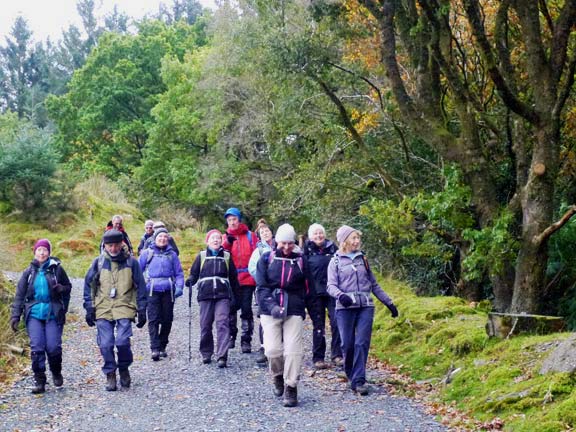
43	295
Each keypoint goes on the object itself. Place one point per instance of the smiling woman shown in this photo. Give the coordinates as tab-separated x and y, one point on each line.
47	21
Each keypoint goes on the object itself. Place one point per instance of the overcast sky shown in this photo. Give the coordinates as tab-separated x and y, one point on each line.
48	17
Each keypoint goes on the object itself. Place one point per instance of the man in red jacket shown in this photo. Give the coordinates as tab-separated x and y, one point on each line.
240	242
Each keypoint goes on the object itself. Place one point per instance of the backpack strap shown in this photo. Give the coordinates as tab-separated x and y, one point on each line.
226	258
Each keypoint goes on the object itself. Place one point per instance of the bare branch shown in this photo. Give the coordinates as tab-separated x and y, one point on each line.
538	240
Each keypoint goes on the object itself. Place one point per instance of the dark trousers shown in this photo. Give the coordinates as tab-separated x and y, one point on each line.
244	304
355	327
210	311
160	316
45	339
317	307
107	340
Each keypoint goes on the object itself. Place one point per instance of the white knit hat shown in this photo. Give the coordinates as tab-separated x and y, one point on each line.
313	228
285	233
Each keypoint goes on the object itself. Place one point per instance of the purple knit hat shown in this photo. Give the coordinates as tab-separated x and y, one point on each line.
343	232
43	243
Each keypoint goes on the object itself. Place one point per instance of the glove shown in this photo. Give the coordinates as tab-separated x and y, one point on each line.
393	309
91	317
14	321
178	292
141	319
345	300
277	312
59	288
231	239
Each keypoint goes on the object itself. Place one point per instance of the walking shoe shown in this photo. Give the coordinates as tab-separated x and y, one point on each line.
362	389
278	385
155	355
125	379
163	354
290	396
261	359
207	360
57	379
338	361
320	364
221	363
111	381
40	381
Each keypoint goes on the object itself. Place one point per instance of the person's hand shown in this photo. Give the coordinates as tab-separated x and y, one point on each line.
178	292
393	309
14	321
345	300
59	288
277	312
230	238
91	317
141	319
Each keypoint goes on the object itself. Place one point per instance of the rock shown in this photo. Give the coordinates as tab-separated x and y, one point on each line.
504	325
562	359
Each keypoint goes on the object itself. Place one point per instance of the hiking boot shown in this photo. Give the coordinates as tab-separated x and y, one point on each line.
290	396
57	379
163	354
40	381
155	355
111	381
246	348
261	359
232	343
222	363
362	389
338	361
320	364
125	379
278	385
207	360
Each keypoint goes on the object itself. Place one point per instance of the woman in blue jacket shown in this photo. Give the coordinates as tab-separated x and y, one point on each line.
351	283
165	282
43	294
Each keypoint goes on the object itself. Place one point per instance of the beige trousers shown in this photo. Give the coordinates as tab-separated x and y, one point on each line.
283	346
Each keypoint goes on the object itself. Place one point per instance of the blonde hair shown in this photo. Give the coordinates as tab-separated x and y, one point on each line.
346	247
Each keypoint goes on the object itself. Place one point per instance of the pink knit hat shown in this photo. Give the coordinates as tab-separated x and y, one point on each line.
209	234
343	232
43	243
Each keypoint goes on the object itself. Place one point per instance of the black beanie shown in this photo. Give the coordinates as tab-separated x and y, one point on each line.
112	236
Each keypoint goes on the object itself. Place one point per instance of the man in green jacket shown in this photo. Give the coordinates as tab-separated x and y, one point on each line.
114	296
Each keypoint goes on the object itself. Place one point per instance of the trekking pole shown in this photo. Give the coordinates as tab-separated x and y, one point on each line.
190	326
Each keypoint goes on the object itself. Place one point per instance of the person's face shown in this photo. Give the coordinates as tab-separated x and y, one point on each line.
116	223
215	241
113	248
318	237
161	240
286	247
149	229
265	234
354	241
232	221
41	254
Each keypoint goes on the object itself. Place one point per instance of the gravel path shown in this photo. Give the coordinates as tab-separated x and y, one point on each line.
175	395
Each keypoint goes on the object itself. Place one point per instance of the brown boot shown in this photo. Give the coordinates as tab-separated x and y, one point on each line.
111	381
125	379
290	396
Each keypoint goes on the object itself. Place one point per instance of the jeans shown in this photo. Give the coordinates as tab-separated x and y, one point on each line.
107	341
355	327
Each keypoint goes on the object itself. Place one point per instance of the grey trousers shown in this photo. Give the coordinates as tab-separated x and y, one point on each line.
210	311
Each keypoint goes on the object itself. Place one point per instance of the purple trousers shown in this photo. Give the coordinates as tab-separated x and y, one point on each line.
210	311
45	338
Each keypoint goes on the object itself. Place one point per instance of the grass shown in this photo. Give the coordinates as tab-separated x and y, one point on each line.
495	378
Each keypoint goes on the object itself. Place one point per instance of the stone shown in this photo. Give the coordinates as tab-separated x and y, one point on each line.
562	359
505	325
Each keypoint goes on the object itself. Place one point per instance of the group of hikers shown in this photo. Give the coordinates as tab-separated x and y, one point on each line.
237	266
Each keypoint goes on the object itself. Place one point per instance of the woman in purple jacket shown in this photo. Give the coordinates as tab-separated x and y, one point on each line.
351	283
165	282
